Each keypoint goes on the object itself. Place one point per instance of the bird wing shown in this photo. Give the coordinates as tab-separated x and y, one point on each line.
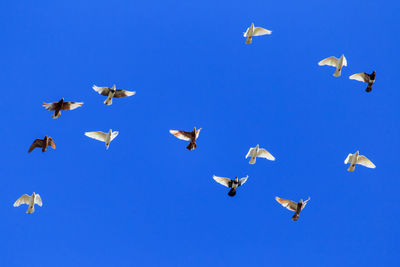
198	133
51	143
246	32
250	153
290	205
362	160
114	134
262	153
330	61
344	62
243	180
24	199
181	135
38	200
97	135
37	143
260	31
50	106
222	180
362	77
348	159
71	105
305	203
101	90
123	93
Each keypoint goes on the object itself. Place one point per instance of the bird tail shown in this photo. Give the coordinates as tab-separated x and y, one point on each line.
249	39
338	72
296	216
56	114
232	192
352	167
369	88
31	209
252	160
108	101
191	146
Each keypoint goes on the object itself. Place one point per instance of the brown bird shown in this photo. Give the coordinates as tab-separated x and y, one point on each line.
111	93
61	105
43	143
187	136
293	206
365	77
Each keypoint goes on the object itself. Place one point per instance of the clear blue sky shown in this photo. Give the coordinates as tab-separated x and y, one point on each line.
148	201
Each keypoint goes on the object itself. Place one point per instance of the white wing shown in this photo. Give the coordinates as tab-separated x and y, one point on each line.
38	200
243	180
262	153
290	205
305	203
344	62
114	134
245	33
260	31
330	61
222	180
359	77
362	160
180	135
198	133
97	135
101	90
75	105
251	152
24	199
348	159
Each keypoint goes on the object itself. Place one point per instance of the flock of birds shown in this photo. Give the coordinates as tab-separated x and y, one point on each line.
191	137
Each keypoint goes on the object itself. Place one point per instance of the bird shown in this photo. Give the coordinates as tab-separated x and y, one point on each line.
43	143
255	152
254	31
103	137
338	63
187	136
293	206
30	201
61	105
232	184
355	158
111	93
365	77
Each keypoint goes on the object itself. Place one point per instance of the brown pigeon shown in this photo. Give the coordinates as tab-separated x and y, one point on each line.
43	143
365	77
111	93
293	206
187	136
61	105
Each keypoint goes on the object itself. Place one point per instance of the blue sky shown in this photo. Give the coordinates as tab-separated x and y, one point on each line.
148	201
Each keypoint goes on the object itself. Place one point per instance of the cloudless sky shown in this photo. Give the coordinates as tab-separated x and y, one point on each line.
148	201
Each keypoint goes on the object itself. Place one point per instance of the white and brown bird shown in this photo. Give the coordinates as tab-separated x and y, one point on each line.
366	78
356	158
103	137
112	92
254	31
30	201
61	105
232	184
43	143
293	206
338	63
187	136
257	152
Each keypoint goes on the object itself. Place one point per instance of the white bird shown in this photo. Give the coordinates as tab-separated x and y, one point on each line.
338	63
103	137
30	201
254	31
111	93
255	152
355	158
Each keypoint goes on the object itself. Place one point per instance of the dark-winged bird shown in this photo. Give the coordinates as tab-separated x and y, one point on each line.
111	93
187	136
293	206
43	143
366	78
61	105
233	184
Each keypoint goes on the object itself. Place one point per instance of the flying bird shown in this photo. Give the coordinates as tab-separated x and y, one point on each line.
365	77
293	206
254	31
43	143
187	136
111	93
103	137
338	63
355	158
30	201
61	105
255	152
233	184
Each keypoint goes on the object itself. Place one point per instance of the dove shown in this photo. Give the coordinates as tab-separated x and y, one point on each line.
111	93
254	31
61	105
355	158
30	201
365	77
43	143
293	206
232	184
103	137
338	63
255	152
187	136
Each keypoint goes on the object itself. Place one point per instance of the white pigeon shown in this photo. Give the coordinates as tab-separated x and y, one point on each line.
112	92
254	31
255	152
103	137
338	63
30	201
355	158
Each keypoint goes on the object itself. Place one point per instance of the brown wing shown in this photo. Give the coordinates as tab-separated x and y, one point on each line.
35	144
123	93
50	106
71	105
183	135
290	205
51	143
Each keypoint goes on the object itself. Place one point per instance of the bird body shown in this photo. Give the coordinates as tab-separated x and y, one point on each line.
61	105
103	137
338	63
232	184
356	158
254	31
43	143
366	78
255	152
293	206
187	136
30	201
112	92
